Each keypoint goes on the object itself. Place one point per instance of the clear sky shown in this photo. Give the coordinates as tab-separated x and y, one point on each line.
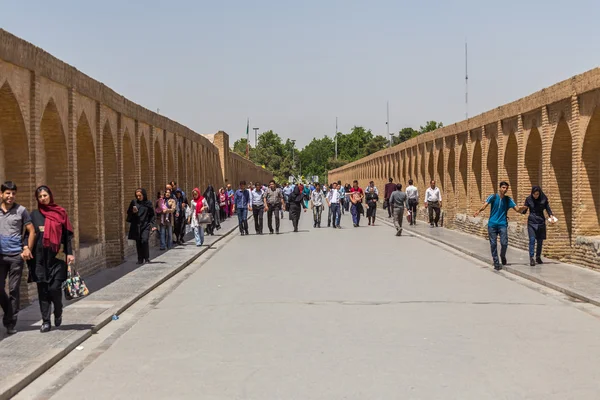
293	66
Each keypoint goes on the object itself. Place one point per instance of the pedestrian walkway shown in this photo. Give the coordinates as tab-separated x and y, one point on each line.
578	282
27	354
351	313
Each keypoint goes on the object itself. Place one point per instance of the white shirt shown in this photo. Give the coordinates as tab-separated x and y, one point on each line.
433	194
412	192
317	198
256	198
333	196
191	212
368	189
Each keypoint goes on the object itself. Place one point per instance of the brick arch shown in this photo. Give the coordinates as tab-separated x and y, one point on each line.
462	169
146	174
410	166
53	159
159	169
492	164
476	168
171	172
440	168
404	172
452	168
533	158
511	164
422	165
87	184
111	186
590	177
129	171
14	163
188	167
560	186
430	166
180	169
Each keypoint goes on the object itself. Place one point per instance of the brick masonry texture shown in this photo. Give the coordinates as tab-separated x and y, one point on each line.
550	138
93	148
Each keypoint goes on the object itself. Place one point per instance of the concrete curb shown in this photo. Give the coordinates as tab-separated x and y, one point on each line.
46	360
506	268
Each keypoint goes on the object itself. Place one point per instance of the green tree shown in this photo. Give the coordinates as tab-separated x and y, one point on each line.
375	144
430	126
239	146
404	135
352	146
315	157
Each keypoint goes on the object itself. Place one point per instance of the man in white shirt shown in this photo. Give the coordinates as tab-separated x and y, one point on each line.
258	207
317	198
412	193
433	202
333	201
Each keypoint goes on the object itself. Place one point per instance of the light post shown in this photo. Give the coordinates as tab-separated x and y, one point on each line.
255	137
336	132
293	159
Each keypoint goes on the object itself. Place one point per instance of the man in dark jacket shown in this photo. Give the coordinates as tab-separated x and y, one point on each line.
389	189
296	201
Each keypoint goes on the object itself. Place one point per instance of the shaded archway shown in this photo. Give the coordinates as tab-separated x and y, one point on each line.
422	166
159	169
87	184
462	170
404	172
492	166
533	158
430	166
410	166
511	164
440	169
54	157
14	163
145	168
181	181
561	161
590	177
129	172
111	187
476	169
171	171
452	168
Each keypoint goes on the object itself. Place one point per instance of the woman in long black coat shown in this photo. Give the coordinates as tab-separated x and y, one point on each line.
213	209
140	215
53	234
536	203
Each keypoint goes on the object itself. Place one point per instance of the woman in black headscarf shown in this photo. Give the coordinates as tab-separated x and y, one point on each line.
536	203
213	209
140	215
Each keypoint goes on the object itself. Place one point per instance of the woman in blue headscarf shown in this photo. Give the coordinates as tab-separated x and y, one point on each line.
536	203
306	195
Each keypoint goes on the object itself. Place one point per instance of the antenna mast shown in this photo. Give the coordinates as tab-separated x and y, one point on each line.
466	84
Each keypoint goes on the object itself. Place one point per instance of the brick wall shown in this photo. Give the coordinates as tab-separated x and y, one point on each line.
550	138
93	148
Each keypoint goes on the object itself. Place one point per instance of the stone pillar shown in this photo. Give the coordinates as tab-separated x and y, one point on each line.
73	181
577	148
35	119
485	176
470	174
502	174
100	117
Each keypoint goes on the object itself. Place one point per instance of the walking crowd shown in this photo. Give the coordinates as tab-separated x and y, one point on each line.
43	238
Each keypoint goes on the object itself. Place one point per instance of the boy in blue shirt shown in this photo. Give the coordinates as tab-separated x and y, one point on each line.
241	205
498	224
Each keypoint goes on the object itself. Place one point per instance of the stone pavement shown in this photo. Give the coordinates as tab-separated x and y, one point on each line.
29	353
572	280
341	314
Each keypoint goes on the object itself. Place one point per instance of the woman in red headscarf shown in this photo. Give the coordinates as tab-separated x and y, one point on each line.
52	242
198	206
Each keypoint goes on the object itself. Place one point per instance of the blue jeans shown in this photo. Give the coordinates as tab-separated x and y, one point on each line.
355	214
335	214
199	235
538	252
493	232
166	237
242	213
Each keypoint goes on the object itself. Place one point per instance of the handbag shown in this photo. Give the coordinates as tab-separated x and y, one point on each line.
386	204
205	218
74	286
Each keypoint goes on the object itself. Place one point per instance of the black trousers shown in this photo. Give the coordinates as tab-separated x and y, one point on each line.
179	227
412	207
295	210
11	267
258	212
273	209
143	249
434	208
50	294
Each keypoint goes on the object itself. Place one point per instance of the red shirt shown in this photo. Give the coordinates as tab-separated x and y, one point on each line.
359	190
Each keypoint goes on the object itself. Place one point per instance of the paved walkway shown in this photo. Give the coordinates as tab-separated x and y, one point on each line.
575	281
342	314
28	353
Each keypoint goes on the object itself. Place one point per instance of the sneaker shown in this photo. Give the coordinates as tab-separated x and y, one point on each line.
277	232
11	330
45	327
503	259
497	267
398	232
57	321
539	260
431	225
532	262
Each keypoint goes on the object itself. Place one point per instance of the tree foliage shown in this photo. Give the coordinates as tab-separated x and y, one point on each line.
318	157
